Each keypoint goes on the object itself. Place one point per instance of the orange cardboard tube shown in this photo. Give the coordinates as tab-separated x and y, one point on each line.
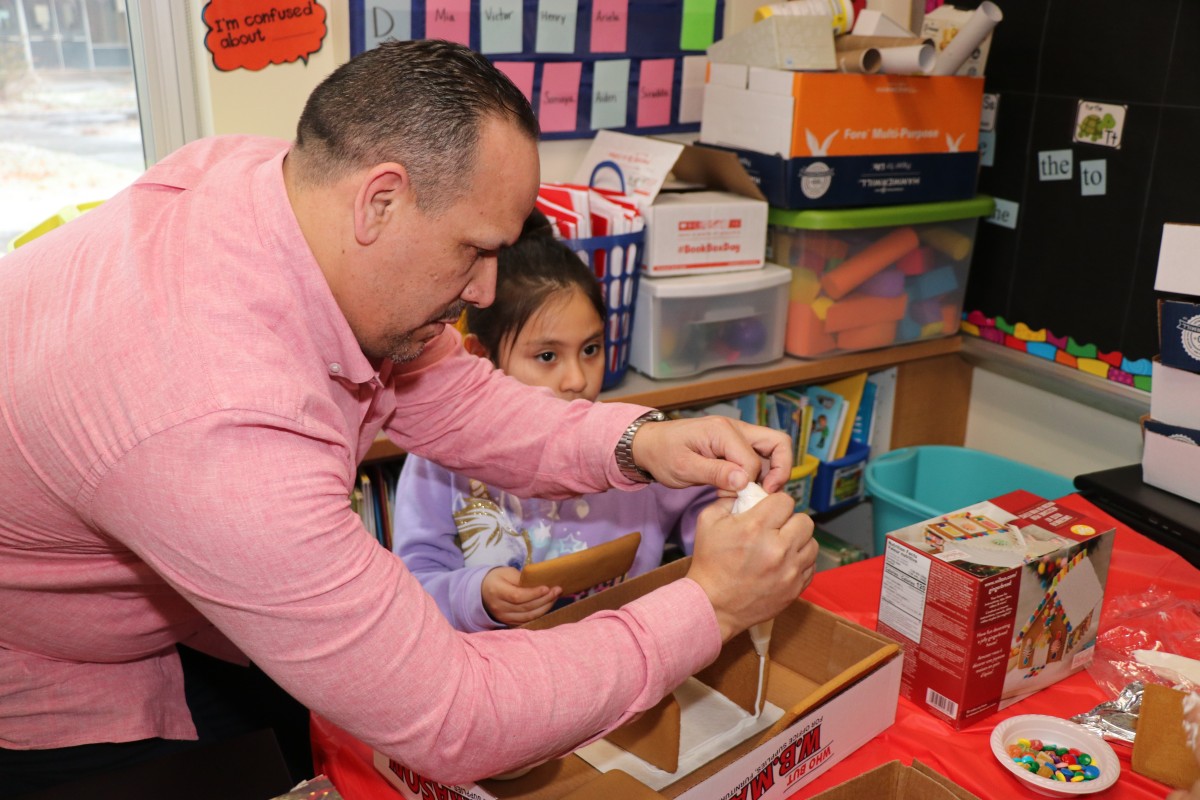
867	337
843	279
860	311
806	336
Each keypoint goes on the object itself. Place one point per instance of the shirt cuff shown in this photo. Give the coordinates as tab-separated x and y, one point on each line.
475	617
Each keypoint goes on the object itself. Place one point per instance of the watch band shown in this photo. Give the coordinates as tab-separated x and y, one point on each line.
624	452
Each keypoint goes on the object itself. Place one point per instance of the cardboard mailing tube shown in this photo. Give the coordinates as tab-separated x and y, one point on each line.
916	59
855	41
866	62
841	280
898	55
969	36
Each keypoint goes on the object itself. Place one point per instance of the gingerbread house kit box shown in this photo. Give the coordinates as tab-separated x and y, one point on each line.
993	602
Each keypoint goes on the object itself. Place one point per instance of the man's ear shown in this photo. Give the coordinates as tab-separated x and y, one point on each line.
385	191
474	346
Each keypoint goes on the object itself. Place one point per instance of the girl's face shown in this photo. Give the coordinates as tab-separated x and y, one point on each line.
561	347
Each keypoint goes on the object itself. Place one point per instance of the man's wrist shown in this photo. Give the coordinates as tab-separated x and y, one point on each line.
624	453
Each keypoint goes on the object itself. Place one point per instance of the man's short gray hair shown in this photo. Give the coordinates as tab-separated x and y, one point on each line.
418	103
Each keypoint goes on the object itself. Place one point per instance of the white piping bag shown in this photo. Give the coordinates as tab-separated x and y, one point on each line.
760	634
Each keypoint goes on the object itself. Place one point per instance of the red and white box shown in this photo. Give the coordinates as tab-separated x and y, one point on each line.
692	232
993	602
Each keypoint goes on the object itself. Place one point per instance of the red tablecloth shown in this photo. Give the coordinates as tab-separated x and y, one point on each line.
965	756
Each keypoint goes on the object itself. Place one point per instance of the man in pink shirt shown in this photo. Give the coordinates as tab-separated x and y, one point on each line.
191	373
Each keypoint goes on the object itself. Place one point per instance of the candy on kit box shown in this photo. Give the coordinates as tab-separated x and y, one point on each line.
993	602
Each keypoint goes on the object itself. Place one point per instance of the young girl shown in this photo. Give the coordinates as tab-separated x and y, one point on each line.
467	542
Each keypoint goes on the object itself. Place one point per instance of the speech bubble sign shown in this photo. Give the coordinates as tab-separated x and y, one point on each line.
250	34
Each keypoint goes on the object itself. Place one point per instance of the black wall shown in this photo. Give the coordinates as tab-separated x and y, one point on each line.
1084	266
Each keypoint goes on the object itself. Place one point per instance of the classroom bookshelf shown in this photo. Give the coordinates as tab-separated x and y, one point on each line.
933	389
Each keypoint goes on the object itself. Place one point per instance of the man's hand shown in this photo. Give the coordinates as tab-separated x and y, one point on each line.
714	451
509	602
754	564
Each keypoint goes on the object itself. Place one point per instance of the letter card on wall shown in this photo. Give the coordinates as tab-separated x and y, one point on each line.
629	65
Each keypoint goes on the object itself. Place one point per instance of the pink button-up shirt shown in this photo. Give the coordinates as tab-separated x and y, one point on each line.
182	409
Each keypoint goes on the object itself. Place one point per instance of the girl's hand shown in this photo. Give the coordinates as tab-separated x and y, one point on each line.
509	602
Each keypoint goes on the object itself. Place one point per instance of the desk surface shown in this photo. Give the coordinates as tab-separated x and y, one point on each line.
964	756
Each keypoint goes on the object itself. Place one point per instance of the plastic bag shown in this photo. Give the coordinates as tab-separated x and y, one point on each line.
1152	620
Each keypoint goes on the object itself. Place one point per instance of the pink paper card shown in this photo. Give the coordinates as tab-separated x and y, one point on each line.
610	23
449	20
521	74
559	100
654	92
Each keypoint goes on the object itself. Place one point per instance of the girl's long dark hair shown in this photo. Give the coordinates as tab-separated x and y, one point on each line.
529	272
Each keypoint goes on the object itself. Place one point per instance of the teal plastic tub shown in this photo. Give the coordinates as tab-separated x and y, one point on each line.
913	484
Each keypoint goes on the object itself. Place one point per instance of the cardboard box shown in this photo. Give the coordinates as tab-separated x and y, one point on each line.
895	781
812	140
1179	334
836	681
688	233
942	25
781	42
723	229
1178	259
993	602
800	114
1171	458
1174	395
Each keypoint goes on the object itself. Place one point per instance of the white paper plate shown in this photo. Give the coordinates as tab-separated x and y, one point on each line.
1053	730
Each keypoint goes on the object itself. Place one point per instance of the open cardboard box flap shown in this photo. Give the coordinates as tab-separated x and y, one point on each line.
646	162
895	781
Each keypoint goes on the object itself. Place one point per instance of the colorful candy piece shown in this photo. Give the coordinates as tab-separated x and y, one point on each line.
1053	762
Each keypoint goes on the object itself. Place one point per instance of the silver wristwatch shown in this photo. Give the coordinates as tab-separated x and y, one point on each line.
625	448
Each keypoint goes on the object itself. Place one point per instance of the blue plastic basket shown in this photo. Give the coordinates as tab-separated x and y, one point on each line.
616	262
913	484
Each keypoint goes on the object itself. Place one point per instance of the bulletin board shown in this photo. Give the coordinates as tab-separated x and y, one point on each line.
1065	270
635	66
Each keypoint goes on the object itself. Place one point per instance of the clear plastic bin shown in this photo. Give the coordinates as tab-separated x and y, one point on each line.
686	325
865	278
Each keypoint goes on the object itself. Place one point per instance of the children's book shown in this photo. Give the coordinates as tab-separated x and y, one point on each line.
864	420
789	406
829	412
747	406
849	389
806	418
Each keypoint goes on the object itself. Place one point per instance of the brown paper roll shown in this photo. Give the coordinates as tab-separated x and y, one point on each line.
853	41
865	61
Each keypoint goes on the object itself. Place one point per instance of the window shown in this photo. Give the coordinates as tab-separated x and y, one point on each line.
91	91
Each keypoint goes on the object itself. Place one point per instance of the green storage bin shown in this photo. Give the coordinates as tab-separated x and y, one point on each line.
913	484
864	278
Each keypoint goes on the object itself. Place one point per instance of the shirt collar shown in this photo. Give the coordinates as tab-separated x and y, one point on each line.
317	311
